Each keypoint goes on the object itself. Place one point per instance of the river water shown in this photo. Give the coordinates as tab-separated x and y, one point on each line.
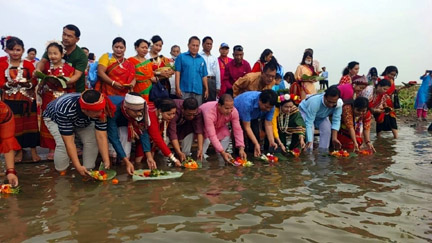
385	197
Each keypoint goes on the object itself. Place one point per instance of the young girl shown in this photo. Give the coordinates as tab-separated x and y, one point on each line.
382	109
50	89
19	94
288	120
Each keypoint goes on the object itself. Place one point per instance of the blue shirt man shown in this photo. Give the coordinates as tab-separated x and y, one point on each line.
253	105
191	73
316	110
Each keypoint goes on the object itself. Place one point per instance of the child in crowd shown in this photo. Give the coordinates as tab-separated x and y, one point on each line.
51	88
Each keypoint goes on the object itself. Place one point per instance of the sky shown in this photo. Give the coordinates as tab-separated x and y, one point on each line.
375	33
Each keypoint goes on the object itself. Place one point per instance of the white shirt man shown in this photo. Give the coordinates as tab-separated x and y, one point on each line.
213	77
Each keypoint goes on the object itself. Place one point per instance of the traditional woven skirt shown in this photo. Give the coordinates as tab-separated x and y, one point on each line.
26	122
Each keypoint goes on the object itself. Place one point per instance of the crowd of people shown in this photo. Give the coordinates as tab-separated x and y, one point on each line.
147	102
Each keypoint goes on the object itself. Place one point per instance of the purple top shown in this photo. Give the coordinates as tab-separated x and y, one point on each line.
179	127
215	125
234	72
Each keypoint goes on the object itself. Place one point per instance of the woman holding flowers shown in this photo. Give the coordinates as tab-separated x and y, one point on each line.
306	69
19	94
381	106
8	142
116	73
143	70
287	120
162	66
355	125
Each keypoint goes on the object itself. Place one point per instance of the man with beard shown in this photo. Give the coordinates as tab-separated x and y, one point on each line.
74	56
130	122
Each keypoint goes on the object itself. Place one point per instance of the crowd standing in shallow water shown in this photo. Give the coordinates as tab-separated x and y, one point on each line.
149	101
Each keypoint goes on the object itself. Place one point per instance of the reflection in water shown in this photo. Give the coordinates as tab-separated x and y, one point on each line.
315	198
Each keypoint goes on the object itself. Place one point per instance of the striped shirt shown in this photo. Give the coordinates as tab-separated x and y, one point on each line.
66	112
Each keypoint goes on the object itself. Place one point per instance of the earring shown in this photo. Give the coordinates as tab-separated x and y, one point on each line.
160	117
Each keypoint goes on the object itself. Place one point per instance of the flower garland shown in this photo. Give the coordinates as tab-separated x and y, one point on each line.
283	122
52	68
19	79
165	125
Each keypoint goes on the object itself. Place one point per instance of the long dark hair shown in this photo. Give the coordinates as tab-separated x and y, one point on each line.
10	41
350	66
390	69
265	53
165	104
289	75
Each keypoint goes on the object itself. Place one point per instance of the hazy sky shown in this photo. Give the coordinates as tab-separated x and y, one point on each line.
372	32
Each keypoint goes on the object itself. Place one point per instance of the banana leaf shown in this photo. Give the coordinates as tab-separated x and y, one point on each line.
143	175
110	173
281	156
199	163
61	81
8	189
307	78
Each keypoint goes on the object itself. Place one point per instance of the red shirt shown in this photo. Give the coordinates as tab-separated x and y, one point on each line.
28	69
258	67
155	134
234	72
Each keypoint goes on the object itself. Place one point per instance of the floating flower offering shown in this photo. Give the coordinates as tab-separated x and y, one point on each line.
241	162
296	152
270	158
155	175
365	152
8	189
99	175
190	164
340	153
102	174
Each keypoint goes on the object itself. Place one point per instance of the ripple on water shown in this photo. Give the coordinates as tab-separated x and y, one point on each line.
383	197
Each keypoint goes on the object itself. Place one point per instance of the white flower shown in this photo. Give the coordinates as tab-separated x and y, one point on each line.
287	97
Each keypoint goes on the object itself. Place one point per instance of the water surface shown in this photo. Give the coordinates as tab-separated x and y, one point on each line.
315	198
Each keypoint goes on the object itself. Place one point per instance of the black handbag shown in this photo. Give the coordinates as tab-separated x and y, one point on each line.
158	91
396	102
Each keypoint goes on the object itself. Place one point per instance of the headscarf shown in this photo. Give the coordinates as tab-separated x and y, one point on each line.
359	80
103	104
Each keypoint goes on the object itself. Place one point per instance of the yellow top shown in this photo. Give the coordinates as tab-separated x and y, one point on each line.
104	60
